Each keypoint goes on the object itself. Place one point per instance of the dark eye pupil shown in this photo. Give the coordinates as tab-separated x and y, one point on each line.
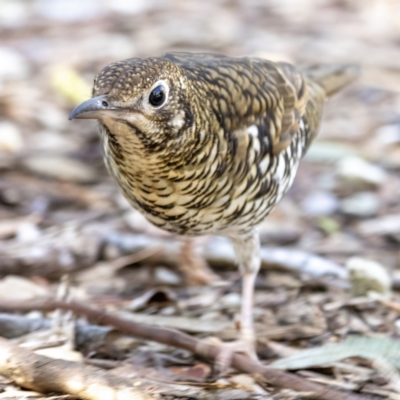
157	96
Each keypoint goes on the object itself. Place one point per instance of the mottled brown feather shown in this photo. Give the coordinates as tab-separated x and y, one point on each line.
224	148
221	148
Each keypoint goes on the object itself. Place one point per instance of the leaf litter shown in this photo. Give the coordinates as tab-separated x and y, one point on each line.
60	212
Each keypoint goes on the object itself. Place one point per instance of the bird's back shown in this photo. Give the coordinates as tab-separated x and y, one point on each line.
247	90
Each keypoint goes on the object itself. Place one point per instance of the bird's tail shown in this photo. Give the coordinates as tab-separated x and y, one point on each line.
332	78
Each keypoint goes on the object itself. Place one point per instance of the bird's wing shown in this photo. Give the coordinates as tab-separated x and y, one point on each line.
247	92
273	96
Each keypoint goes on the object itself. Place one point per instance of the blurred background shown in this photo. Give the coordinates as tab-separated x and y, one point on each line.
345	200
60	211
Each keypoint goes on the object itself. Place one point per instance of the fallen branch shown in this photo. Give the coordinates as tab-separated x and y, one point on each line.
219	253
55	253
80	246
44	374
181	340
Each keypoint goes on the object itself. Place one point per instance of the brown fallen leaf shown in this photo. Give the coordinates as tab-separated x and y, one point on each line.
198	372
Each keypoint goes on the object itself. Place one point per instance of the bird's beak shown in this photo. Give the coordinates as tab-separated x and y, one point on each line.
94	108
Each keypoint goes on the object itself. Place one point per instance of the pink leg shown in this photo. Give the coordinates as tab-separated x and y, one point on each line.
247	251
246	320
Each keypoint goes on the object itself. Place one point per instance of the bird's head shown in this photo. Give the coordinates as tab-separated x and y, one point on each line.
147	98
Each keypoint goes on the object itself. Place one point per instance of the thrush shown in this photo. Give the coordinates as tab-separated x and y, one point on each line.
208	144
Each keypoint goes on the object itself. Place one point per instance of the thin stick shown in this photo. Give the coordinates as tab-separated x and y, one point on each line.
181	340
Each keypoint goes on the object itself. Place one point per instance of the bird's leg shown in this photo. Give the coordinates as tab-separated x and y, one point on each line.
246	316
193	265
247	249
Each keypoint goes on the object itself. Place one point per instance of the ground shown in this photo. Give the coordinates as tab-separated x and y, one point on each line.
61	214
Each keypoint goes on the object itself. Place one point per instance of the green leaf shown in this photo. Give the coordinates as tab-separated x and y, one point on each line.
370	348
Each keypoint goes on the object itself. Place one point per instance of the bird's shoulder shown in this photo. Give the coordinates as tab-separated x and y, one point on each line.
249	91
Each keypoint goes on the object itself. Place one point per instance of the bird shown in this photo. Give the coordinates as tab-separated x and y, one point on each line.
207	144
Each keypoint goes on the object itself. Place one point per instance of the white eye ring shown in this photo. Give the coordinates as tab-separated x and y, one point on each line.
158	95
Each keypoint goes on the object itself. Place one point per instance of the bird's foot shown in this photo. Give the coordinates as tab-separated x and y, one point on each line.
244	346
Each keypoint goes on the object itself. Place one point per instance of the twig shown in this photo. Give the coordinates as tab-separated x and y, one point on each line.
55	253
46	255
219	253
181	340
44	374
394	305
141	255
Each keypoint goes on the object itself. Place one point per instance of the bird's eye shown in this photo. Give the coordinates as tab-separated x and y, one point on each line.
157	96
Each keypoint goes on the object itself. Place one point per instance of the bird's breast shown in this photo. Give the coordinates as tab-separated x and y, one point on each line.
217	194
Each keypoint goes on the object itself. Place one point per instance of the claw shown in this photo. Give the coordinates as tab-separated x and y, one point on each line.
246	346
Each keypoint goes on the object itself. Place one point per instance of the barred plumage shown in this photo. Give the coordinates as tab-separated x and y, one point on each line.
203	143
